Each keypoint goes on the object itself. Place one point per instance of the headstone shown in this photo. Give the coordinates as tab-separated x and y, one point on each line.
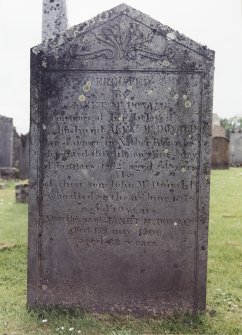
21	154
8	173
22	193
54	20
24	157
119	168
218	131
216	120
236	149
6	141
16	148
220	153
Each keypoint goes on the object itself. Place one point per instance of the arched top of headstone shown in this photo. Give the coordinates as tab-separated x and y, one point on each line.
123	36
222	137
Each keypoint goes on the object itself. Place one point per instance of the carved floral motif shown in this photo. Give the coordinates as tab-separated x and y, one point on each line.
128	44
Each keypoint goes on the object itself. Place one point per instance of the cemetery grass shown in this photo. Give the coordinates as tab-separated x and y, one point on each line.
224	298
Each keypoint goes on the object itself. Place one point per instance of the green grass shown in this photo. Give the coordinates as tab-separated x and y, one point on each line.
224	305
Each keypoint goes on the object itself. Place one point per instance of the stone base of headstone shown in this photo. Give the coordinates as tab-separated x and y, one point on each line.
8	173
22	193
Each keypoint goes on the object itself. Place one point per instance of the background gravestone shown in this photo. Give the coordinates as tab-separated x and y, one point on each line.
16	148
24	157
236	149
21	154
121	110
220	152
22	193
218	131
6	141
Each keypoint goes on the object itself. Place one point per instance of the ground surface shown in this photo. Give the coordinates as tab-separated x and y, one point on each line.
224	307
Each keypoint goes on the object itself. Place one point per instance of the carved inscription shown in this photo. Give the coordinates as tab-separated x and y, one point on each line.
110	154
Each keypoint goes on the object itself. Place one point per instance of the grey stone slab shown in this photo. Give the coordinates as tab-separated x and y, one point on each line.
6	141
121	115
54	20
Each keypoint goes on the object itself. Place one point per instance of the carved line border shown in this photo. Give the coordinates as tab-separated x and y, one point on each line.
41	113
57	69
39	174
162	34
198	189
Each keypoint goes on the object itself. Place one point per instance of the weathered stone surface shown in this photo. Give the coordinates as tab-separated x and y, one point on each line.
6	141
236	149
121	110
54	20
220	153
22	193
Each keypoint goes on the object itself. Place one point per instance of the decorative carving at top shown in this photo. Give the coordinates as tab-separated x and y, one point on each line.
127	44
